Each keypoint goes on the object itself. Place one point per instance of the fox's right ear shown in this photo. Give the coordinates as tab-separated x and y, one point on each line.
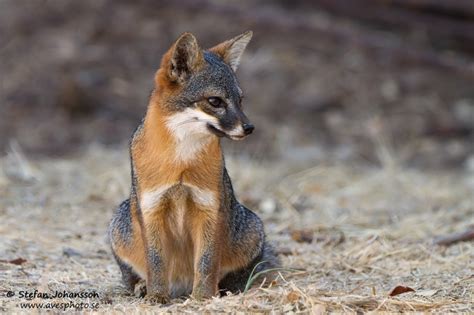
185	58
231	50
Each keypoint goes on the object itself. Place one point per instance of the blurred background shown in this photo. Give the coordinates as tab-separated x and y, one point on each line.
369	81
361	165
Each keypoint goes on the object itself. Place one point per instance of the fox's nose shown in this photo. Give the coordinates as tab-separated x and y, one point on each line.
248	128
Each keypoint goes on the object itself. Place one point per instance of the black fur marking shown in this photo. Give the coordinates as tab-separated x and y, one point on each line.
216	131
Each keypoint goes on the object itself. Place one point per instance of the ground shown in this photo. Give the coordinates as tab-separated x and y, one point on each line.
362	155
347	235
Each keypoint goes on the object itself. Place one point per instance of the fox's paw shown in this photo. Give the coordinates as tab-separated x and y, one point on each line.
202	294
140	289
157	298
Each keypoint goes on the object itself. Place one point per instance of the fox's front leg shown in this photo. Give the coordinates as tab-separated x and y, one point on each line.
156	279
207	256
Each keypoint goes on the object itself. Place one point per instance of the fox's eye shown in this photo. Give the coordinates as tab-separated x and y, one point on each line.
215	101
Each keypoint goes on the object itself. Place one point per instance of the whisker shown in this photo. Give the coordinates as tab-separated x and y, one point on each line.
193	120
187	121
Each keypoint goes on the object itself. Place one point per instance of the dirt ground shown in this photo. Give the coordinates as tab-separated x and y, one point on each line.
372	229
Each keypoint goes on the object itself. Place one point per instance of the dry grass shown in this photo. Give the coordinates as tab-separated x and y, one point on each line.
372	230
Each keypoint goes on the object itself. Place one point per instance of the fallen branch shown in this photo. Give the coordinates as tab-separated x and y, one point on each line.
451	239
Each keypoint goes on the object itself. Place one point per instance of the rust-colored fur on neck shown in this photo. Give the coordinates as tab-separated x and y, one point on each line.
153	153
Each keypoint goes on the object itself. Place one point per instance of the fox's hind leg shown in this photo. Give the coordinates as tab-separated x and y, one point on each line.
236	281
127	246
249	251
129	277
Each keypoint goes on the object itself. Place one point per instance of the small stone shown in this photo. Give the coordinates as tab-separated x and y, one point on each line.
268	206
69	252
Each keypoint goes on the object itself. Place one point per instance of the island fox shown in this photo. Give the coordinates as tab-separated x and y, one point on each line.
182	230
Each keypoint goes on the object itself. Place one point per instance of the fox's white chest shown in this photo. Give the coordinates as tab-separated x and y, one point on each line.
179	194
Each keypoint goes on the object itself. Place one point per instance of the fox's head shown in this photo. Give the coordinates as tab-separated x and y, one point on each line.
199	89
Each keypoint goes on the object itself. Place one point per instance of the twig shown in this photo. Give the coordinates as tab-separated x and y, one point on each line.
451	239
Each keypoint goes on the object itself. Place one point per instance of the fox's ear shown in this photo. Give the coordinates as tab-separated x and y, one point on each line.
186	57
231	50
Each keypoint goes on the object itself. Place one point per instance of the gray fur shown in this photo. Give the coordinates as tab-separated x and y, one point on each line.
121	223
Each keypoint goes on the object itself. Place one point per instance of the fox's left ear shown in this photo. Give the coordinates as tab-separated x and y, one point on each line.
185	58
231	50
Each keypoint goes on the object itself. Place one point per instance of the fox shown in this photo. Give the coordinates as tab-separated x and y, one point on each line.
182	231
